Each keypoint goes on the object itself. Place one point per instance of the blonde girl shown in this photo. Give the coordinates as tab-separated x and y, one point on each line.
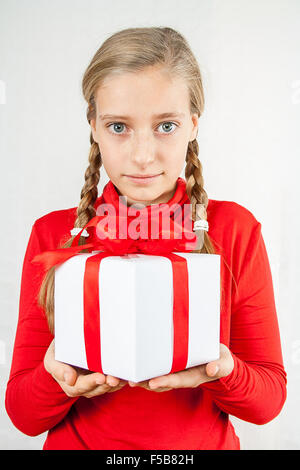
145	95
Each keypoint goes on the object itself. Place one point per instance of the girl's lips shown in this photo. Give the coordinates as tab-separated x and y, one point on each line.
146	180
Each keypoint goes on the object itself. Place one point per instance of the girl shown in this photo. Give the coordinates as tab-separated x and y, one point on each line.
144	93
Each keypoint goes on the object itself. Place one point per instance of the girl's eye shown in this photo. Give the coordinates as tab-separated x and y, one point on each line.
117	125
167	128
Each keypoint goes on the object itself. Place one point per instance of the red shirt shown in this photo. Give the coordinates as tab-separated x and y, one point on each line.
135	418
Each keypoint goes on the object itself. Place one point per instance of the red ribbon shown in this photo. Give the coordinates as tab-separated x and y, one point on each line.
117	247
92	324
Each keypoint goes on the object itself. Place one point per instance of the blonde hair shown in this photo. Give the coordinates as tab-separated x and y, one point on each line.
131	50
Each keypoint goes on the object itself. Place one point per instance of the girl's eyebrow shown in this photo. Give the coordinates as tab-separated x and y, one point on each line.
156	116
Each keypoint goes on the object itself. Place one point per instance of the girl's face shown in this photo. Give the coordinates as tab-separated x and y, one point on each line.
143	125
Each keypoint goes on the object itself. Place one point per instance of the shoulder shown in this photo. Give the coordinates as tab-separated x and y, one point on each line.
232	225
54	227
58	218
235	232
230	214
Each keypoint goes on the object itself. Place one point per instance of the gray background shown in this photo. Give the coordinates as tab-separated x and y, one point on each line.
248	137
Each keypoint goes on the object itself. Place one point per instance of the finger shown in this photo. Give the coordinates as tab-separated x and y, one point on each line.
212	369
86	383
188	378
221	367
181	379
143	384
60	371
105	388
166	389
154	387
146	384
118	387
64	373
112	381
101	389
137	384
155	382
152	384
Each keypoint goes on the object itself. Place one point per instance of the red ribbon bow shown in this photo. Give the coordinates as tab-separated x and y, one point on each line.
116	247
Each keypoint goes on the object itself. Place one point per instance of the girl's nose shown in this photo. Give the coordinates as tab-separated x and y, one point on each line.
143	151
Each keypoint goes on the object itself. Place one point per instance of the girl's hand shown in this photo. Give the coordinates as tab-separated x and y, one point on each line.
77	382
192	377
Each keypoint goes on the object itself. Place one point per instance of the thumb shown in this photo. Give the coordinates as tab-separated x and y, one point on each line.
212	369
65	373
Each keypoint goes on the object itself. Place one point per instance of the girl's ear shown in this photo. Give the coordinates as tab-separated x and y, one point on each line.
93	129
194	131
194	134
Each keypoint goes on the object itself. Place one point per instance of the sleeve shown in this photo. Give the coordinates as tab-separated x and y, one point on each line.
34	401
255	390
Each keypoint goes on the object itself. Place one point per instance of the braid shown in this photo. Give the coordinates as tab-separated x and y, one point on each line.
89	192
197	195
199	201
85	212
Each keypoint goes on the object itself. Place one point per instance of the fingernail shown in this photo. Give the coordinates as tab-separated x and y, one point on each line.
216	370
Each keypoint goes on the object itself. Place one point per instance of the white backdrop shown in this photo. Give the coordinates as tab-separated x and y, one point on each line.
248	137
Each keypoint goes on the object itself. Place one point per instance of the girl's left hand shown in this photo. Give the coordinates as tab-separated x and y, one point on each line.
192	377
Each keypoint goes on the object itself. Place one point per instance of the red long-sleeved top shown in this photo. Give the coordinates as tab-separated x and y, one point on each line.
135	418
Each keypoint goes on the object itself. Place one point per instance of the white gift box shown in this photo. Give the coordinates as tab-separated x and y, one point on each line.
136	313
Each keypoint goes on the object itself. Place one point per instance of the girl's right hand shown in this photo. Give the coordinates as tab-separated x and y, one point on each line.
77	382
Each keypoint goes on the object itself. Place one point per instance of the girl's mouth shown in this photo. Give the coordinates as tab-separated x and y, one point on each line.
141	180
